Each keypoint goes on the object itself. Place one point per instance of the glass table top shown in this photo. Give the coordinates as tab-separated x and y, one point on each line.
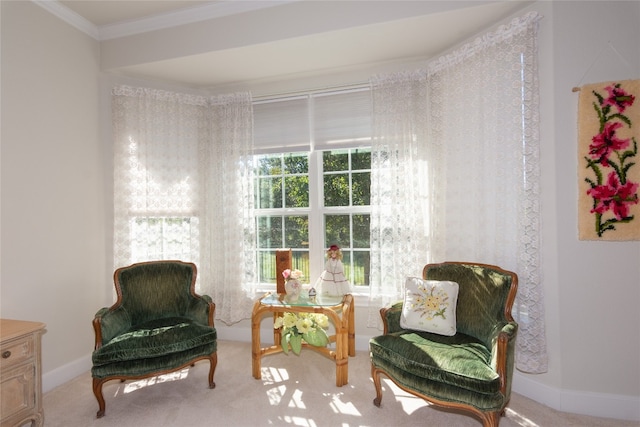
320	300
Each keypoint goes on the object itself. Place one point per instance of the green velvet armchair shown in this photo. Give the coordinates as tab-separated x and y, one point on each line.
469	371
157	325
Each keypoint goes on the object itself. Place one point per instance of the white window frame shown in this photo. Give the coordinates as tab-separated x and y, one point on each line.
316	212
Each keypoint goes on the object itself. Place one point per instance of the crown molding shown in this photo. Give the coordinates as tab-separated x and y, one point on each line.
70	17
185	16
157	22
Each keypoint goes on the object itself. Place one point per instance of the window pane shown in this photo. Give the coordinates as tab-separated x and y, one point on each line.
147	237
346	263
163	237
270	232
361	231
361	188
296	231
361	268
361	159
297	191
267	266
353	186
300	261
176	236
337	230
269	193
336	190
296	163
269	165
335	160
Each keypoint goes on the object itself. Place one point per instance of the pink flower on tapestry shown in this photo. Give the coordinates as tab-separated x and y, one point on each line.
614	197
618	98
606	142
610	158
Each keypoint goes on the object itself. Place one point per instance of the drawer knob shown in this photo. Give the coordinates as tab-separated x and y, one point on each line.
6	354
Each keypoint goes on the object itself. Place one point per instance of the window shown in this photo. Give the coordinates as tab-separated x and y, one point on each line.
156	217
313	175
346	178
163	237
289	216
282	206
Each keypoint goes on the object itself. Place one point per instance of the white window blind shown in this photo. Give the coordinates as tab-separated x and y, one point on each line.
281	125
342	119
319	121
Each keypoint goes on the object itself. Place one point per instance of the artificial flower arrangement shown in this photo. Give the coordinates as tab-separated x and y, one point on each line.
310	327
292	283
292	274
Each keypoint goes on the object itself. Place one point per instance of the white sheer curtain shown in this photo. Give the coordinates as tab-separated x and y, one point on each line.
228	250
172	154
399	186
482	150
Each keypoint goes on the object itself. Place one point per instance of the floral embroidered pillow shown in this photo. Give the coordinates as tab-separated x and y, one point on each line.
430	305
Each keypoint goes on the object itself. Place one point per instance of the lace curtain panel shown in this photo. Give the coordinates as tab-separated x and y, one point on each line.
399	186
476	168
171	153
228	246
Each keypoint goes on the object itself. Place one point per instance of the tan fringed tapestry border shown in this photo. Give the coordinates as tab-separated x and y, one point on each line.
608	169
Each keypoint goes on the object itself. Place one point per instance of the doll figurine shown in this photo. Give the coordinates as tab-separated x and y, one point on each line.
332	281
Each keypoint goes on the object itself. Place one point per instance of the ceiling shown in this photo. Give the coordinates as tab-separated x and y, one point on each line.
108	12
395	40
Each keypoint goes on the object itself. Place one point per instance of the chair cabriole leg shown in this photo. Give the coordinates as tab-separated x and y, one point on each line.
491	419
213	361
375	374
97	391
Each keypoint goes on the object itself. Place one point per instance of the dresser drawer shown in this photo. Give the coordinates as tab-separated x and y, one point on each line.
20	373
16	351
18	391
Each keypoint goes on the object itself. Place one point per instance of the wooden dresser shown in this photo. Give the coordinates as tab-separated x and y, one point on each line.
20	373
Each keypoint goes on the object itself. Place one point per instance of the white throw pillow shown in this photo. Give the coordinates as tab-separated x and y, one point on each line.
430	305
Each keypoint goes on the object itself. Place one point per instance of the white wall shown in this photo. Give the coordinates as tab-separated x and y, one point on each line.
592	289
598	283
56	212
53	203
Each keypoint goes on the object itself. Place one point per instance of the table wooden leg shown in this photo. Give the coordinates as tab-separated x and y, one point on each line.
352	331
342	372
255	342
277	335
342	358
342	346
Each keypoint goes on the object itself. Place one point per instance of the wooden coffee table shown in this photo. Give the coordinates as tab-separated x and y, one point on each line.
339	310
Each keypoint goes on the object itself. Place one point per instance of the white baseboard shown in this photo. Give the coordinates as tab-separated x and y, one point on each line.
65	373
577	402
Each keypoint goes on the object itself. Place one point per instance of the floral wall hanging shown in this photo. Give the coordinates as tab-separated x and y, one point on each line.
608	169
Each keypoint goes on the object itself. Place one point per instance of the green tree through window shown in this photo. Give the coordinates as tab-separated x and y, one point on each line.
284	209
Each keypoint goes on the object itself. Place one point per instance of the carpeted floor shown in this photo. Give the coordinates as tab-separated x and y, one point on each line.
293	391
